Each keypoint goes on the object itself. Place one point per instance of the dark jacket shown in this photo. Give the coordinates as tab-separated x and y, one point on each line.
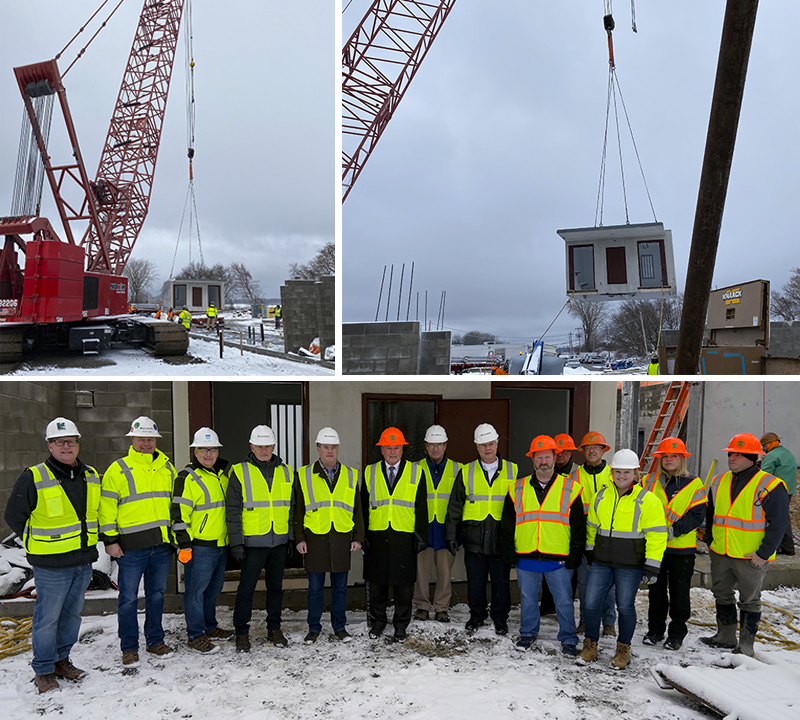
182	537
390	556
234	506
24	498
329	552
577	529
478	536
776	512
693	518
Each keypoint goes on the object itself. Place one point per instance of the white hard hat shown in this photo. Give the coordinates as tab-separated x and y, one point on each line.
206	437
61	427
624	460
485	433
143	427
262	435
436	434
327	436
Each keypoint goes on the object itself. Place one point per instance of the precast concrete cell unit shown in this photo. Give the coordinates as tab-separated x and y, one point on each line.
619	262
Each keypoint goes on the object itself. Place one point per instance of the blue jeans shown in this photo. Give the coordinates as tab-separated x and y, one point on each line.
609	614
316	583
154	563
60	593
204	576
560	584
626	582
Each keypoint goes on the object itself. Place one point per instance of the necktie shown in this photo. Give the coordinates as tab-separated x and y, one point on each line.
391	475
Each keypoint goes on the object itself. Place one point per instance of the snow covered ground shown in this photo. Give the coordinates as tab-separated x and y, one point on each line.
202	358
439	673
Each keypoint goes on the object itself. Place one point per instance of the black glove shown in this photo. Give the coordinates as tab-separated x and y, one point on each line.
365	545
452	547
238	553
573	562
289	549
419	546
589	555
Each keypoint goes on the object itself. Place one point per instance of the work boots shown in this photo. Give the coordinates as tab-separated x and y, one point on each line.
65	669
726	628
622	657
747	633
46	683
242	643
589	652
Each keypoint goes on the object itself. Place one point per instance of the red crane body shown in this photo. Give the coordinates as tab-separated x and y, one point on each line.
80	277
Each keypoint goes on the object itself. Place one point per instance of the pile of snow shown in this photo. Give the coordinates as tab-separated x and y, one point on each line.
440	672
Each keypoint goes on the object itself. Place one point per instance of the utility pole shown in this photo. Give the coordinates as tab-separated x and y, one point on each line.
726	104
629	416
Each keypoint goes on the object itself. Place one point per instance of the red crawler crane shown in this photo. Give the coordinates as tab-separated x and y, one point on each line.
68	285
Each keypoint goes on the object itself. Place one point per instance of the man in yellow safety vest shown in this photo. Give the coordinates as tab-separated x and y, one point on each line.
201	531
53	508
543	533
747	515
475	510
185	318
440	473
328	527
260	512
396	517
136	497
211	316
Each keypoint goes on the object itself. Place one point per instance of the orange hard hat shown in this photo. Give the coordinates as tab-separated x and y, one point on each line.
564	442
392	436
671	446
595	438
542	442
745	444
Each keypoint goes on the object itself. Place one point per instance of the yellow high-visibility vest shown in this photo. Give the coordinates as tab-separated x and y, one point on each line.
136	495
688	497
326	509
438	497
637	515
395	509
202	505
543	528
54	527
264	510
592	483
483	499
739	526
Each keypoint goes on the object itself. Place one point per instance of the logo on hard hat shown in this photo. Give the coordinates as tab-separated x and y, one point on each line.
155	427
61	426
392	437
135	425
740	443
539	444
674	445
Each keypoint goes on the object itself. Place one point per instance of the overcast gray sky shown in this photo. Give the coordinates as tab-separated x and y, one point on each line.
497	144
265	160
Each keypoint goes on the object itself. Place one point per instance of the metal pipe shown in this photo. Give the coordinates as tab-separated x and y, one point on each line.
726	104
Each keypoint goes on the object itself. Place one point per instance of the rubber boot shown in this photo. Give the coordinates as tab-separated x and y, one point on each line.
747	634
726	628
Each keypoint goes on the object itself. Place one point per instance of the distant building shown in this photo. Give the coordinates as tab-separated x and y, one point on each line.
194	294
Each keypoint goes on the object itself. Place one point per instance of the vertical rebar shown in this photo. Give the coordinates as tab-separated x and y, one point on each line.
389	294
380	294
400	293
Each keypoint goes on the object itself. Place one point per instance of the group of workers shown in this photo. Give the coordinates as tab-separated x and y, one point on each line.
600	526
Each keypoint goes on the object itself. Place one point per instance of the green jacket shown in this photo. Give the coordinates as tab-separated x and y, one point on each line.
781	463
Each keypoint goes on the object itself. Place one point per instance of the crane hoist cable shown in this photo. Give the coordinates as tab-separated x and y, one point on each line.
190	130
614	91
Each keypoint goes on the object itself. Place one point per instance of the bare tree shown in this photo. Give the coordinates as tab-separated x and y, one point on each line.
141	274
323	263
242	285
474	337
786	305
634	326
591	315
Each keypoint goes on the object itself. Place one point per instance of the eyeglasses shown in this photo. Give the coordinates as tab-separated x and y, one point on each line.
68	443
207	451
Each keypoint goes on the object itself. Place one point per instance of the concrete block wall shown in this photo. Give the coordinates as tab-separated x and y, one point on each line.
308	309
380	348
784	339
434	353
27	407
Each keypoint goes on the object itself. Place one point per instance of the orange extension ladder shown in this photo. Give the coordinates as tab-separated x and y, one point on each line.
671	415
